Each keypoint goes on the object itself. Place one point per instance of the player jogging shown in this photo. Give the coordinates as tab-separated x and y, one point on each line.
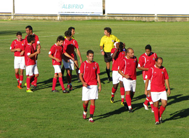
30	60
18	47
158	76
127	69
106	45
146	61
118	55
36	45
68	45
89	76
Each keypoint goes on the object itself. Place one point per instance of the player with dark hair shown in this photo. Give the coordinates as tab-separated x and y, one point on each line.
118	54
127	69
55	53
89	76
30	60
18	47
158	76
69	45
106	45
146	61
36	45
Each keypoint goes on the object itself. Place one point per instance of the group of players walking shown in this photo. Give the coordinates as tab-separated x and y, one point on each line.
123	69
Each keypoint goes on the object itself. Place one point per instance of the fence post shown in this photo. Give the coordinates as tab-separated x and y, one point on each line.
13	10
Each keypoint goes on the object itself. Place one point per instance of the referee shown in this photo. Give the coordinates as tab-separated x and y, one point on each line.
106	45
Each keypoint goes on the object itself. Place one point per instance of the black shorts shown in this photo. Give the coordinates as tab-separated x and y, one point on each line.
107	56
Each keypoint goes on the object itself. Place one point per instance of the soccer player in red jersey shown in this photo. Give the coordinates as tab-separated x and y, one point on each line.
127	69
68	45
36	45
18	47
158	76
30	60
89	76
55	53
146	61
118	54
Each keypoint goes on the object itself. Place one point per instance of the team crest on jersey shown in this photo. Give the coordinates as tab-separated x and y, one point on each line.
112	40
162	72
153	58
93	67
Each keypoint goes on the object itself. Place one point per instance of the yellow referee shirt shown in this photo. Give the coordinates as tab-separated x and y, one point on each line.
108	42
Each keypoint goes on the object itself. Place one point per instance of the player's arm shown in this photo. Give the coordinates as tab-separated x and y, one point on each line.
116	51
81	78
146	86
79	54
38	43
122	74
168	86
15	49
101	46
51	56
141	64
99	83
142	68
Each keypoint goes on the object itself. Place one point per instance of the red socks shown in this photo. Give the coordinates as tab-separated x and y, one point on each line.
85	107
54	83
61	83
17	77
113	91
162	109
122	92
21	80
146	101
28	83
35	81
128	100
92	109
151	102
156	114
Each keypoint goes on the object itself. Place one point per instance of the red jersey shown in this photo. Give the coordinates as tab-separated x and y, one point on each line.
18	44
56	51
69	45
36	41
147	62
118	59
157	77
28	51
128	66
90	71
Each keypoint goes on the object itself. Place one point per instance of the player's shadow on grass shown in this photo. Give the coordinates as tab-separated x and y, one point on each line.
46	84
143	96
176	99
178	115
117	111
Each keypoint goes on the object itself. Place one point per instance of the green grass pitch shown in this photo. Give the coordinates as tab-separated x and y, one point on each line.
44	114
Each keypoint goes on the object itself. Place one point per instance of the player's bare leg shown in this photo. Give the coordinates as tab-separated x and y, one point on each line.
108	70
92	109
128	100
148	100
28	84
114	88
54	83
85	105
62	70
34	82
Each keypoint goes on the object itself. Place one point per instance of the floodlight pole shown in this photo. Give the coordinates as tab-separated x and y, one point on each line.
13	9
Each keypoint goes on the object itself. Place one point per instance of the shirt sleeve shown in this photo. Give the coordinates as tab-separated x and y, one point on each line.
112	51
121	65
27	51
12	45
101	42
116	39
37	40
166	75
141	62
81	69
75	44
98	69
52	50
